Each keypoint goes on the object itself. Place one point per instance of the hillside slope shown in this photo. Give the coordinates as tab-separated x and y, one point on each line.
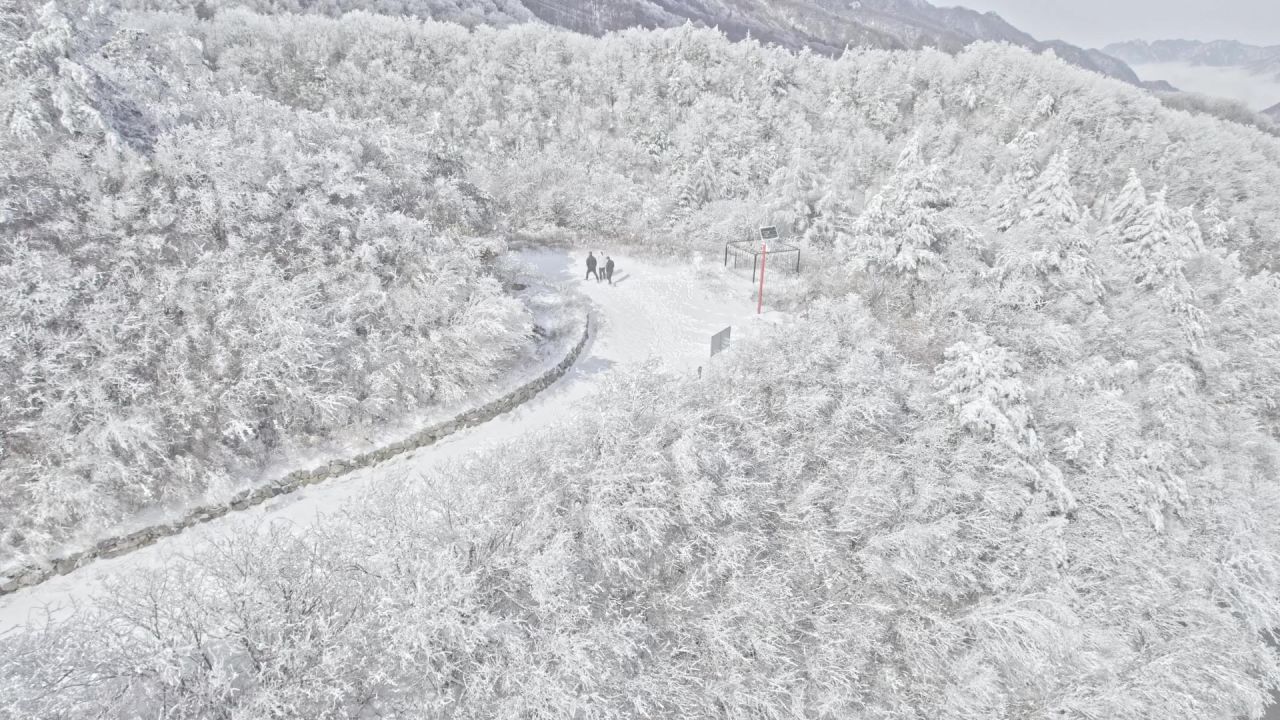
824	26
1016	455
189	295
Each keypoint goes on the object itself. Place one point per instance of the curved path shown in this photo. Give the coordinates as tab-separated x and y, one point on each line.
654	311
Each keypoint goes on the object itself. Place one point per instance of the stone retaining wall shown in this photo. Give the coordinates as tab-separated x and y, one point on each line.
114	547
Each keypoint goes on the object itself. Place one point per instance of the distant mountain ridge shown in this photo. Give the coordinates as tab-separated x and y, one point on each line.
1219	53
1273	112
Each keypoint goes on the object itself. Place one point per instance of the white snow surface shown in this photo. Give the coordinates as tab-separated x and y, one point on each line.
656	311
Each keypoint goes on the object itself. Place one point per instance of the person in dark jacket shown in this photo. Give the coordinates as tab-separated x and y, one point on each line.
591	267
608	269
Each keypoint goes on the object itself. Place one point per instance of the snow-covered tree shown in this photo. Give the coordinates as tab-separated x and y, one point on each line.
1052	197
1153	241
227	234
1010	195
698	186
1129	205
902	231
981	383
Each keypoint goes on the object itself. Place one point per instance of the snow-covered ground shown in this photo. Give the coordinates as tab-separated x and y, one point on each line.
654	311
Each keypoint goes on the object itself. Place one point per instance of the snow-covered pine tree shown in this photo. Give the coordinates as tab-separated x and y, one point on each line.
1152	238
1047	251
1218	229
698	186
980	381
1191	234
1128	207
1052	198
1010	195
798	187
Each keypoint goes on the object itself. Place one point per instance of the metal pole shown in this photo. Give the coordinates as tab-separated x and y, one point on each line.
764	261
755	266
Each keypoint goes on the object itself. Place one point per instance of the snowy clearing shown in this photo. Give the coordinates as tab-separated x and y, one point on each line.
655	312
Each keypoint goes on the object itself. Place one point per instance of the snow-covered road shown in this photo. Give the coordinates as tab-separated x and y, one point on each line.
654	310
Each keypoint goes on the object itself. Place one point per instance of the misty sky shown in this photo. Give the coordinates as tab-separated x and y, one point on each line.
1094	23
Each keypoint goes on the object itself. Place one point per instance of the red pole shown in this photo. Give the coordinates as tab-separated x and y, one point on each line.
764	259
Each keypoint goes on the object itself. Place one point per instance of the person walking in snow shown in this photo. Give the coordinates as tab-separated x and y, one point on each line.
591	267
608	269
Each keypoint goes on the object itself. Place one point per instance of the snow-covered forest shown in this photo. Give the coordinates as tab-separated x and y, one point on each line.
1017	457
194	281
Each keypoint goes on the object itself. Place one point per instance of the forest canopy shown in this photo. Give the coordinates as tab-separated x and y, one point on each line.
1018	457
195	282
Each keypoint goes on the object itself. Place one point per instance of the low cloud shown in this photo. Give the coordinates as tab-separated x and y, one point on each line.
1258	92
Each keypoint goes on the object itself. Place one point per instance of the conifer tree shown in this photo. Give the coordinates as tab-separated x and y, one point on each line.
1052	197
980	382
1011	195
1218	230
699	185
1129	206
1153	241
